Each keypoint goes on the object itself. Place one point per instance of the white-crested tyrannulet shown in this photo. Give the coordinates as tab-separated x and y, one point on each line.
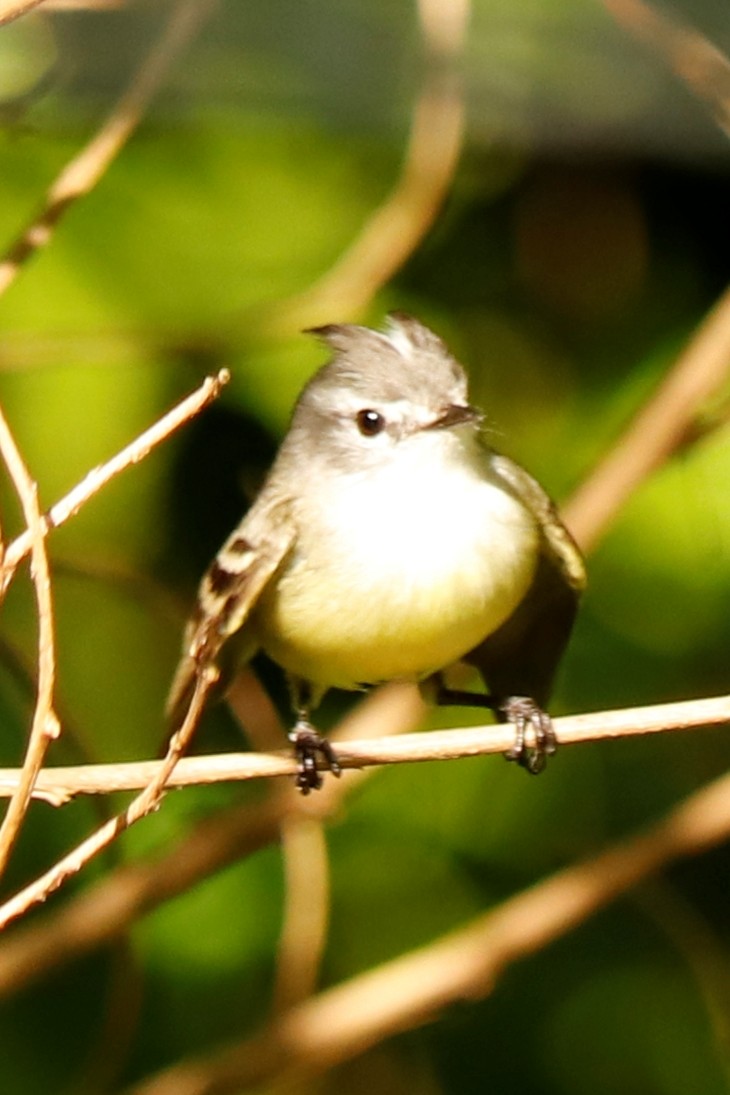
388	542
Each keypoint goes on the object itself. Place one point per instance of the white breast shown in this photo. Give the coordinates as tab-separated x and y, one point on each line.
399	573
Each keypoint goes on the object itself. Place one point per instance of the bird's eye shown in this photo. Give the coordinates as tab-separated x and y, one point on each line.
370	422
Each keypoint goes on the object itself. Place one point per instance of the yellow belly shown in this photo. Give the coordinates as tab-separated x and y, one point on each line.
357	642
403	595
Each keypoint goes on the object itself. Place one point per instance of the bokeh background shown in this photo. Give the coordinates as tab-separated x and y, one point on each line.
581	240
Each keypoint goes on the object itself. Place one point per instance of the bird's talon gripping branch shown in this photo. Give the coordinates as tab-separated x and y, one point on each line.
308	745
526	716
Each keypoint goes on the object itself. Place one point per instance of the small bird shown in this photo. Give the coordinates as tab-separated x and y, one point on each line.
388	542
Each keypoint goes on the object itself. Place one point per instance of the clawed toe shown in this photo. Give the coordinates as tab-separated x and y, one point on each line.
529	720
308	746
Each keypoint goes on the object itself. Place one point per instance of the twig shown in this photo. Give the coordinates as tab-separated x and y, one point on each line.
670	416
155	785
658	430
13	9
147	801
303	934
134	452
45	726
304	856
83	172
399	224
111	905
58	785
692	57
348	1019
661	427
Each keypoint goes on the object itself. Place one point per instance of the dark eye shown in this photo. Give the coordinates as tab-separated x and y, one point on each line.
370	422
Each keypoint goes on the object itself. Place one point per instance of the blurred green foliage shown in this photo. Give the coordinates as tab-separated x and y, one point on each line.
579	248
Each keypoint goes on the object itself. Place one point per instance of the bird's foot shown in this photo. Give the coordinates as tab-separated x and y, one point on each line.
529	721
308	745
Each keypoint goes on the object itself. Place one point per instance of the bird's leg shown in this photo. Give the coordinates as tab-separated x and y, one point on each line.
524	715
458	697
308	743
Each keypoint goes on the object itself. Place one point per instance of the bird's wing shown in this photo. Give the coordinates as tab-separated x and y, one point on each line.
248	560
522	656
557	541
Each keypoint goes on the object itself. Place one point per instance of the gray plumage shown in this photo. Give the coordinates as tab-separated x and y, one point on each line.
388	536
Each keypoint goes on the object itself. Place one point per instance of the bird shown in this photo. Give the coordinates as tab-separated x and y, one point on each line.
390	541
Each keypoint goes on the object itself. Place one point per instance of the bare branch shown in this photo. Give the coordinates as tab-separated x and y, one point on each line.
693	58
303	936
110	906
303	845
83	172
155	786
45	726
346	1020
58	785
396	228
658	430
670	416
13	9
134	452
147	801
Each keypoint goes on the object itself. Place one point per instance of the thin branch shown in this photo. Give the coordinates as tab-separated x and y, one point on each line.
670	417
348	1019
13	9
107	909
147	801
83	172
692	57
658	430
58	785
304	856
71	503
400	223
45	726
303	936
110	906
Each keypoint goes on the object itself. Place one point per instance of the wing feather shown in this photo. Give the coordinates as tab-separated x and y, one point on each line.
521	657
248	560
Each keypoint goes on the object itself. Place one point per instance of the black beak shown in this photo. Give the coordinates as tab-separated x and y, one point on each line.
456	414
